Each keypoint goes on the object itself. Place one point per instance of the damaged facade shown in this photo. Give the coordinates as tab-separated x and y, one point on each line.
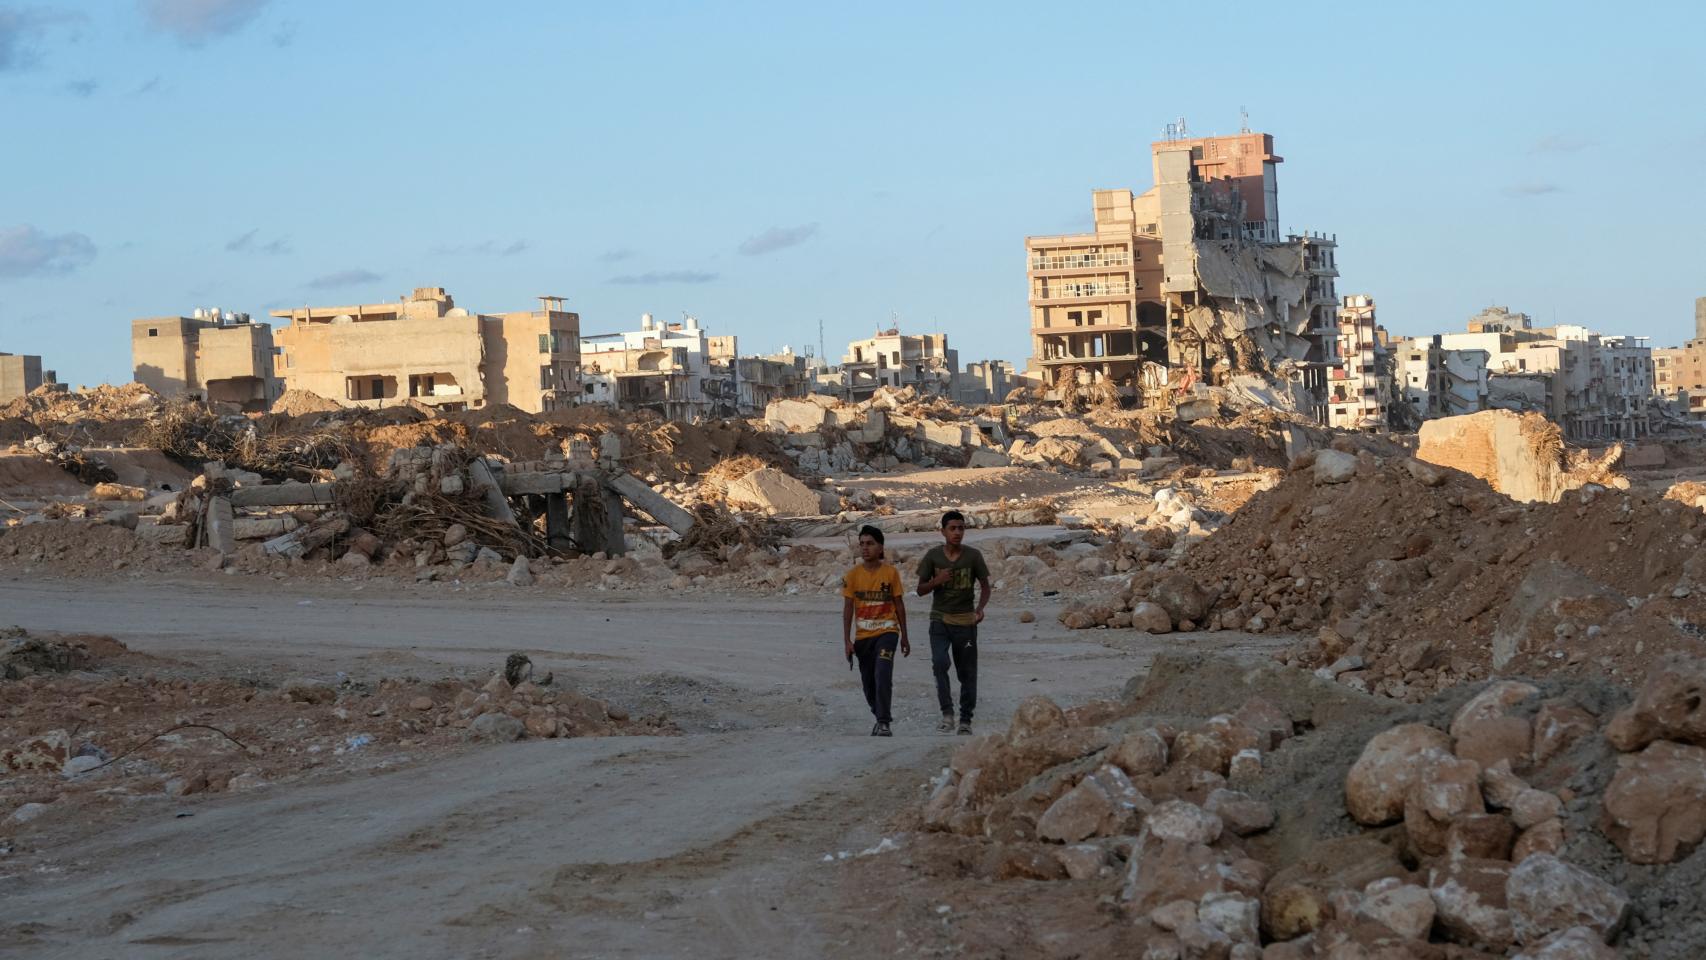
669	368
1194	274
1595	387
922	361
212	355
426	349
1679	373
20	374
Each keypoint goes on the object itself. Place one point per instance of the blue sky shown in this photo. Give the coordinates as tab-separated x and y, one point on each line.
765	166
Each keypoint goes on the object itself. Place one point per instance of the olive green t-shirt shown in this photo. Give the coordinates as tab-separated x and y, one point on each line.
954	602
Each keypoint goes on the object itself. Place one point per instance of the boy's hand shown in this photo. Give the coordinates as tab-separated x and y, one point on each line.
979	618
941	578
847	647
905	647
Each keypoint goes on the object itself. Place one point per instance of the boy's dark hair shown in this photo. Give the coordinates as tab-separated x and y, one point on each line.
869	531
951	516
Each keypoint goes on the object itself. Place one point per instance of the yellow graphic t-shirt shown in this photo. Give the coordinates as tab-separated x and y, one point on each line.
873	593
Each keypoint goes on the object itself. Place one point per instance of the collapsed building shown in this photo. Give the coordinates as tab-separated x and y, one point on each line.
1595	387
213	354
681	372
21	374
1191	279
922	361
426	349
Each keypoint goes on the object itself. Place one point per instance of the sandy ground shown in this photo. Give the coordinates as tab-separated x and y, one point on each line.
706	845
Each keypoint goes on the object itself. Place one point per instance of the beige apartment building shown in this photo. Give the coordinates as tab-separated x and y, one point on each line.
1679	373
922	361
1095	298
211	355
424	347
21	374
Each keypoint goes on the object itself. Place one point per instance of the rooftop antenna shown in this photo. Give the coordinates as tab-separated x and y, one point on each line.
1244	115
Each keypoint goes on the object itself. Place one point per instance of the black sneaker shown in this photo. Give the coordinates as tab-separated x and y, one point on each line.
883	731
876	729
965	728
947	724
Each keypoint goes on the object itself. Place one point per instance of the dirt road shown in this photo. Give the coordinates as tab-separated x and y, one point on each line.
706	845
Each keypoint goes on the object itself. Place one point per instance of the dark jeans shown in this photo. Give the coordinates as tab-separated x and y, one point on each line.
958	644
876	671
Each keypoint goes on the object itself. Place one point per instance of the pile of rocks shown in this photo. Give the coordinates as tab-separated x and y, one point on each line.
1494	833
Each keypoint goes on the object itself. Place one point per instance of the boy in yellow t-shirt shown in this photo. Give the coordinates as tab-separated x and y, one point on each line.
872	602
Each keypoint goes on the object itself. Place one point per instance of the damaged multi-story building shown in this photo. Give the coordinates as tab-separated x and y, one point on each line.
922	361
985	381
425	348
1360	383
21	375
1593	386
672	369
1437	382
1679	373
1194	275
213	354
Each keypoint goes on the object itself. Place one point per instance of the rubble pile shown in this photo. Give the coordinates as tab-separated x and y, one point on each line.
1413	577
1311	823
94	723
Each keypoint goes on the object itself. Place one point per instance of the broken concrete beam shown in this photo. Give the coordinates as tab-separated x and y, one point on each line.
486	484
221	526
650	502
945	434
522	484
301	541
986	457
282	495
164	534
264	528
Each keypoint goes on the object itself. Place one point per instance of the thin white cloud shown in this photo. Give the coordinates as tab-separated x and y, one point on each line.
353	277
1532	189
616	255
485	248
249	243
26	251
655	278
777	238
195	22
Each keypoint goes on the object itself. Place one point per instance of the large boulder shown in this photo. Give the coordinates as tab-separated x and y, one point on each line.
1150	617
773	491
1333	466
1484	730
1653	807
1392	762
1180	596
1547	895
1670	706
1470	902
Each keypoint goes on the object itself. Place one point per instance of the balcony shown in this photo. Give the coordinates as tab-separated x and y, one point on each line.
1083	291
1085	261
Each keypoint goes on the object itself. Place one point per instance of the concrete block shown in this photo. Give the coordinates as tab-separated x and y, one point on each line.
795	415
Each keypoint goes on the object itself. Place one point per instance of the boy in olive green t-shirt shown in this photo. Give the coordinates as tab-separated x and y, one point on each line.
946	574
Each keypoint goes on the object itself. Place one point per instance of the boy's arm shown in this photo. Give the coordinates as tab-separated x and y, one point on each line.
847	625
900	618
983	591
927	584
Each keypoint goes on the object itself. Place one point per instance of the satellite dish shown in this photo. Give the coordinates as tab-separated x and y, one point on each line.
343	318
